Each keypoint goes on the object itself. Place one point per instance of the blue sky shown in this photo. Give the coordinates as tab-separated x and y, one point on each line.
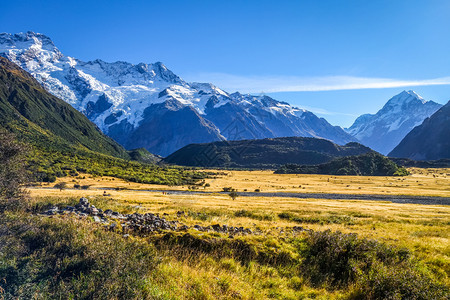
337	58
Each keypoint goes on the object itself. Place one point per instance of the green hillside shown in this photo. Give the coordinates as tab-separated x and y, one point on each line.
369	164
264	153
43	120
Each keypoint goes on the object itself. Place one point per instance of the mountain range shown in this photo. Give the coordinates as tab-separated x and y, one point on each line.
148	106
385	129
428	141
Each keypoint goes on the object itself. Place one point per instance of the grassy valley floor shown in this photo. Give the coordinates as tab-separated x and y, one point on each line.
400	251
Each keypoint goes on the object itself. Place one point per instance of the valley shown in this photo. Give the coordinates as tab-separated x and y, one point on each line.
418	229
121	180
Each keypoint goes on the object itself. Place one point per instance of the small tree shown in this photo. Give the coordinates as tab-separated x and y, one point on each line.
233	195
61	186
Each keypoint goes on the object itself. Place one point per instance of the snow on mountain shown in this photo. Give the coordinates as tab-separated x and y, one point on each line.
146	105
385	129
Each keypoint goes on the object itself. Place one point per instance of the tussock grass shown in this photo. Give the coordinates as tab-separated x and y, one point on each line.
400	250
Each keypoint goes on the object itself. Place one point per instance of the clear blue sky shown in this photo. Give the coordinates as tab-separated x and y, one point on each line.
322	55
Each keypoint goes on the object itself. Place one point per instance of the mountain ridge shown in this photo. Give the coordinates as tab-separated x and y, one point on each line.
121	98
428	141
266	153
383	130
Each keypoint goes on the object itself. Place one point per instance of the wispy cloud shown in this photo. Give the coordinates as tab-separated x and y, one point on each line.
272	84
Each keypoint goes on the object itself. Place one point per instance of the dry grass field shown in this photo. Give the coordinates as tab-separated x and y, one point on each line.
421	182
423	229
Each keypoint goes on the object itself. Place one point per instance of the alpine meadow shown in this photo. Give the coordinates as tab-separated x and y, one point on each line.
292	150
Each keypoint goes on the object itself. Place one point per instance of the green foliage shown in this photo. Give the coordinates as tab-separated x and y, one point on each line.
46	165
233	195
254	215
143	155
369	164
348	220
12	174
61	186
56	259
379	271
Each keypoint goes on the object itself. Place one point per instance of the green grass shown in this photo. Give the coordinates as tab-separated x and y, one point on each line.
47	165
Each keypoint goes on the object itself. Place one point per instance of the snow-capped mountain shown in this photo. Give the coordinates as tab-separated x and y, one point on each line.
146	105
385	129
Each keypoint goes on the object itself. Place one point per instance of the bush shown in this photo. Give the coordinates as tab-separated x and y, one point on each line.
56	259
233	195
61	186
12	171
379	271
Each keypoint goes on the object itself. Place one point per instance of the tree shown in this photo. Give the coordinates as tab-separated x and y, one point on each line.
233	195
61	186
12	171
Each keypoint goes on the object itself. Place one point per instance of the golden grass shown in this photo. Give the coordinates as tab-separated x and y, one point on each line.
422	182
424	229
417	226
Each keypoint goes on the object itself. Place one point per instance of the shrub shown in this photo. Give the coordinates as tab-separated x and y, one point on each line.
61	186
12	171
51	258
379	271
233	195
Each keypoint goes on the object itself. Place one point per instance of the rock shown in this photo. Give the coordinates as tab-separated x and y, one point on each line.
216	227
183	227
84	202
113	226
93	210
52	211
108	212
97	219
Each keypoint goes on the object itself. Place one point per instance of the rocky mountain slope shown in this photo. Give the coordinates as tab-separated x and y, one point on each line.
148	106
428	141
385	129
41	119
264	153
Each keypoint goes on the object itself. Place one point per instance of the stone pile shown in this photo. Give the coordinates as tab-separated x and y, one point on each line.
138	223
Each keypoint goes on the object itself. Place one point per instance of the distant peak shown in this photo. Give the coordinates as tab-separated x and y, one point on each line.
26	36
405	97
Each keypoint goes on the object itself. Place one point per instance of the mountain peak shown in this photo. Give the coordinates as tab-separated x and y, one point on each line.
405	97
18	39
385	129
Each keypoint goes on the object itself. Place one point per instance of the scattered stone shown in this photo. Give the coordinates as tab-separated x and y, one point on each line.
142	223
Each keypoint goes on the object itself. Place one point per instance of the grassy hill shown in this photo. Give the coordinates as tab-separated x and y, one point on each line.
264	153
369	164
